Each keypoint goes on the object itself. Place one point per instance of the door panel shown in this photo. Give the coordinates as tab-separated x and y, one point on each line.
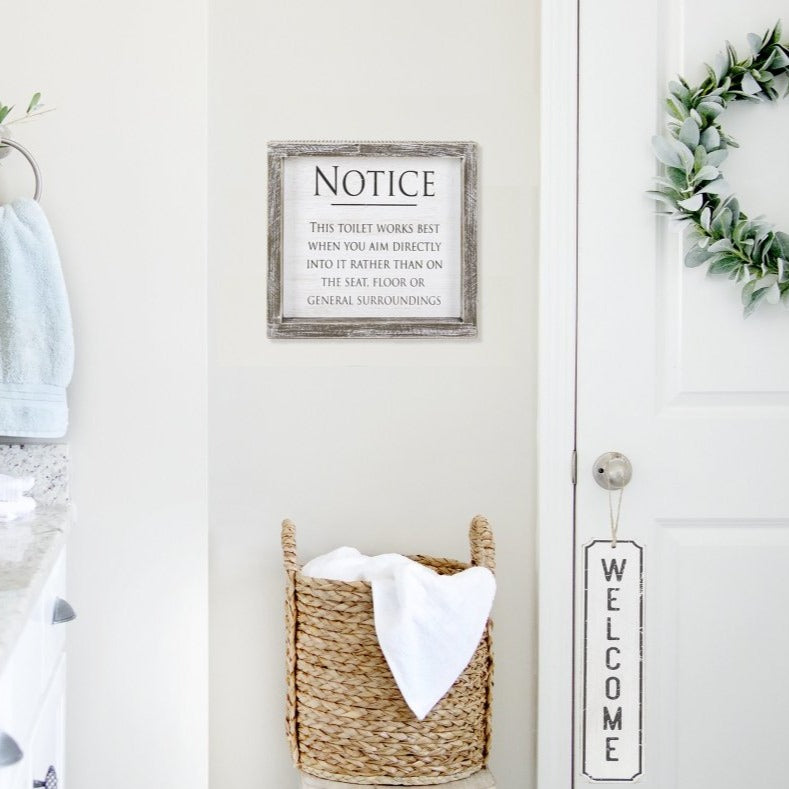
670	374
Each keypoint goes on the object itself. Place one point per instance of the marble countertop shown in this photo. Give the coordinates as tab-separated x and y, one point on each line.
28	550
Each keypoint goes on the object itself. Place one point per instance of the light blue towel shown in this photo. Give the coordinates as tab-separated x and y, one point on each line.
36	340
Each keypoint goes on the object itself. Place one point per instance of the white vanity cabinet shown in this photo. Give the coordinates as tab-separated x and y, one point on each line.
32	688
34	616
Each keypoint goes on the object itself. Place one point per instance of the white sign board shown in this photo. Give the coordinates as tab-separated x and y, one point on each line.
613	680
374	241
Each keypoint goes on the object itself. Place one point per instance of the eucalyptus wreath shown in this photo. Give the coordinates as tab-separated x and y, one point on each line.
720	235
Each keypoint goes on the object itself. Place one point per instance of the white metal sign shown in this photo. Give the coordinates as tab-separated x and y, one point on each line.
613	673
376	238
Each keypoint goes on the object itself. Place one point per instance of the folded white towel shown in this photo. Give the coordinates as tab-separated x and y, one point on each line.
428	625
9	510
13	488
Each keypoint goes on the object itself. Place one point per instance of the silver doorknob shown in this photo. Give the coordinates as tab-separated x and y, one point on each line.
62	612
10	752
612	471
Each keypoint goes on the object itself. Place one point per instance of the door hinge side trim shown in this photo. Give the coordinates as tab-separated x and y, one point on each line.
574	467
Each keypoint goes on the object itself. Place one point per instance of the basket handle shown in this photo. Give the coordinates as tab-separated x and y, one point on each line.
483	548
291	568
289	546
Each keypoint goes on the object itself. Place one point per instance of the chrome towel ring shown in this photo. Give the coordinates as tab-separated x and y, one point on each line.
29	156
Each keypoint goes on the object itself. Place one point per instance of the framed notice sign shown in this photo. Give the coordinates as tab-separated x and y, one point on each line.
372	239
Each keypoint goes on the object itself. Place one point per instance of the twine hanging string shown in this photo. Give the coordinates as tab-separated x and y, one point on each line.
614	518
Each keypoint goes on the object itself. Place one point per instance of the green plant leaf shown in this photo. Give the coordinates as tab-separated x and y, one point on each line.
676	109
696	257
689	133
710	138
781	243
707	173
747	292
663	197
779	60
721	224
665	153
683	152
716	187
693	203
678	177
709	110
34	102
723	266
750	87
720	64
756	297
723	245
679	90
716	158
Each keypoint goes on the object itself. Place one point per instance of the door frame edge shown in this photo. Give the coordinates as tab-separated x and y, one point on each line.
557	390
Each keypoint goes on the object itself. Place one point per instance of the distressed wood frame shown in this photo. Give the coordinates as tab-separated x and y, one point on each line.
464	326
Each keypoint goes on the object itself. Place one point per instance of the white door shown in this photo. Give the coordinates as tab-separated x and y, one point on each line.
670	374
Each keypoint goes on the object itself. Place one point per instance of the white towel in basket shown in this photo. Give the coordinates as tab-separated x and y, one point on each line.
428	625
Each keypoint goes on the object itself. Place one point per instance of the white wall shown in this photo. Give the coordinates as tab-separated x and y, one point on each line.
124	165
389	445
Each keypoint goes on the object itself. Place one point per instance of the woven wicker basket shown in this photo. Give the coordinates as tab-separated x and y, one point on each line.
346	719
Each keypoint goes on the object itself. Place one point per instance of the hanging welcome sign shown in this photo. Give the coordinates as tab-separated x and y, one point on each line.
613	672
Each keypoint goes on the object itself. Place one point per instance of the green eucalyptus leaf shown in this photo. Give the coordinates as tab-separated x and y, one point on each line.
723	266
766	281
710	138
683	152
721	224
693	203
34	102
716	187
679	90
781	244
780	60
756	298
696	257
678	177
750	87
665	152
689	133
755	43
709	110
699	158
724	245
747	292
707	173
716	158
663	197
676	109
721	65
